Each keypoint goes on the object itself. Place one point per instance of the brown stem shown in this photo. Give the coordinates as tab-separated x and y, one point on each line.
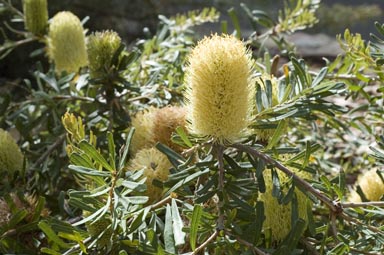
203	245
363	204
251	246
50	149
335	207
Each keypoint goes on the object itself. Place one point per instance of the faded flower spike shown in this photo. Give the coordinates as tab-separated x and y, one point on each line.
278	216
11	158
101	47
35	16
219	89
157	125
156	166
66	42
371	185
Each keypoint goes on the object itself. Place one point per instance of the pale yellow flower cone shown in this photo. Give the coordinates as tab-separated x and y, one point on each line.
372	186
219	89
35	16
156	166
101	47
66	42
11	158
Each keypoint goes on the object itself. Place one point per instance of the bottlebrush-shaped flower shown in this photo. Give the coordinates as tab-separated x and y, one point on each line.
157	125
101	46
11	158
219	89
372	186
66	42
278	216
156	166
35	16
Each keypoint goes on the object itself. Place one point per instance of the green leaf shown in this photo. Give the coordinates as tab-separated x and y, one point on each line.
51	235
17	217
290	242
179	235
196	216
183	136
95	155
49	251
112	150
80	160
172	156
260	219
123	157
88	171
187	180
320	77
169	241
235	21
281	127
276	189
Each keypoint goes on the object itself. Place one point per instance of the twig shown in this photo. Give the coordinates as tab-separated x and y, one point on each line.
251	246
344	76
50	149
350	219
363	252
309	246
161	203
335	207
203	245
363	204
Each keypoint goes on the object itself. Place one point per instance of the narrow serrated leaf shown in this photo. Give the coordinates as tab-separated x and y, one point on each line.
196	216
178	233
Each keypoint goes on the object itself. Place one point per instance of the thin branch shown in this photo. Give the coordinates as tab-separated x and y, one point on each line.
159	204
363	204
359	223
345	76
203	245
50	149
309	246
335	207
251	246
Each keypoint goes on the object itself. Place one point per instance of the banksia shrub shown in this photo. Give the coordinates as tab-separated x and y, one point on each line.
278	216
371	185
157	125
156	166
265	134
66	42
35	16
101	46
11	158
219	89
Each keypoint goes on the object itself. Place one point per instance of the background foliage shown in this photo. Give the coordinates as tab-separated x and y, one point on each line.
74	194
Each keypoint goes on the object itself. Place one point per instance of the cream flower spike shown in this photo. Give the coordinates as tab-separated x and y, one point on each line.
35	16
66	42
219	89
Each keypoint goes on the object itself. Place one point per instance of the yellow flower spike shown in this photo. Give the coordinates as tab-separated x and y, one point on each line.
156	166
35	16
278	216
66	42
372	186
101	47
219	89
11	158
